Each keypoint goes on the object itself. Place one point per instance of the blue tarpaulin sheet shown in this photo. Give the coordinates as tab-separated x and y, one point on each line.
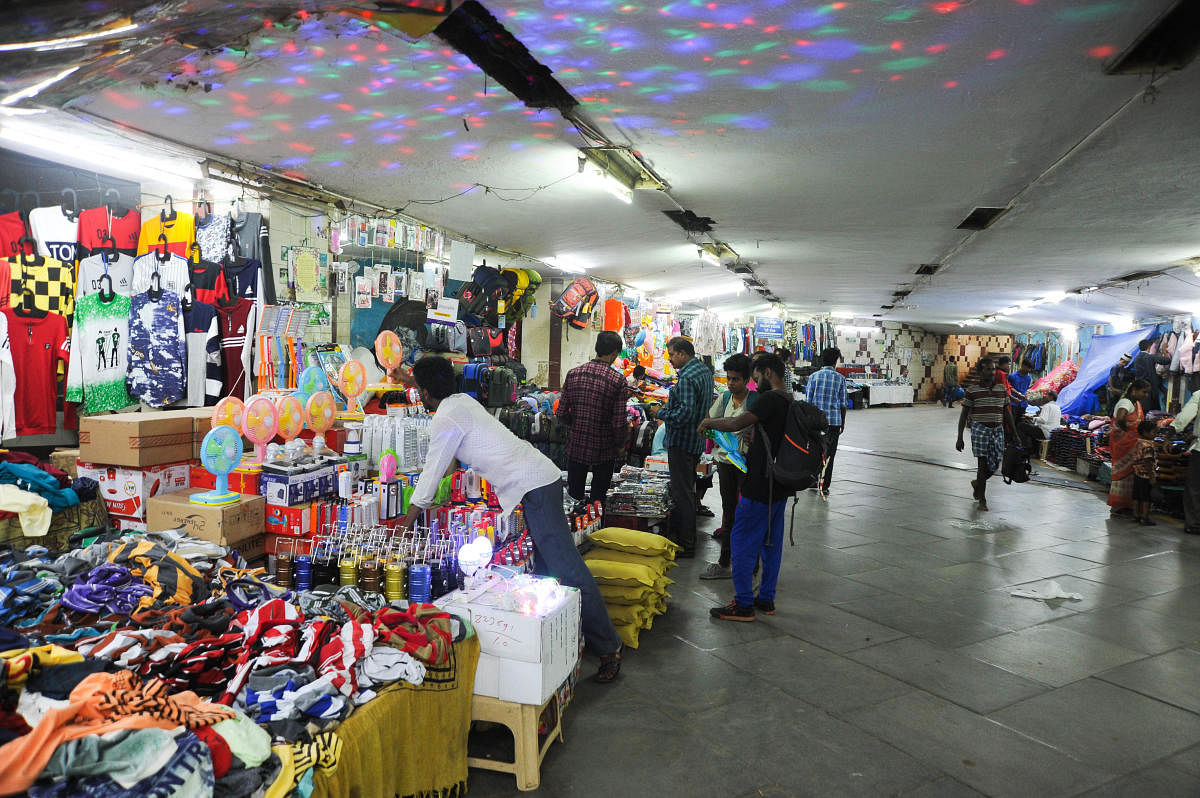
1079	397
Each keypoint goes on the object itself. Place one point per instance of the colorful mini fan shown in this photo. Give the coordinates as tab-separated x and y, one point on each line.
311	380
390	354
229	412
260	422
352	380
321	411
220	453
290	411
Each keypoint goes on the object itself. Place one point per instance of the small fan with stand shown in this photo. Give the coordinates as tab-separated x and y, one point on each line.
321	411
259	423
220	453
290	414
352	381
390	354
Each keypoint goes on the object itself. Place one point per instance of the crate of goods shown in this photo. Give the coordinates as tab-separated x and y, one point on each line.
135	439
126	491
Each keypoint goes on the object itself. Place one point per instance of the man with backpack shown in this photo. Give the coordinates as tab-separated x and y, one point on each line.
687	403
593	404
785	457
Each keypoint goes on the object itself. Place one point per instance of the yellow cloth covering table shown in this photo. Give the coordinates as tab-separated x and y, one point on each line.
409	741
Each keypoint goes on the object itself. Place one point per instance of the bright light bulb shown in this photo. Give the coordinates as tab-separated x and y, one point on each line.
610	184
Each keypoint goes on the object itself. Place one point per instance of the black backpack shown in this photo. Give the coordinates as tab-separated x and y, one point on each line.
1015	466
800	460
501	388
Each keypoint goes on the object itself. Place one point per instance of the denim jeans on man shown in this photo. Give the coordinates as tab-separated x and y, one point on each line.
749	540
555	555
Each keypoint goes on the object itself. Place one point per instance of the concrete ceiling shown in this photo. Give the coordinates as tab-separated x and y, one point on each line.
837	145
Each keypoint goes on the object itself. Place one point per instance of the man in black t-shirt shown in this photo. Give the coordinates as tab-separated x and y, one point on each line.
758	520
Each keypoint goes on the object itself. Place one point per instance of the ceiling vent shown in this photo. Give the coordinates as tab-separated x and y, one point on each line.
741	268
690	221
981	218
886	307
475	33
927	269
902	293
1171	42
1134	277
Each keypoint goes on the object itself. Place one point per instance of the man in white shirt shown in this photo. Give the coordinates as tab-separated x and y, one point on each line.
1049	415
1191	486
463	430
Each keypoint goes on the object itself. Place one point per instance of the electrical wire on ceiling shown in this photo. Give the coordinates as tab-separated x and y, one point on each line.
494	190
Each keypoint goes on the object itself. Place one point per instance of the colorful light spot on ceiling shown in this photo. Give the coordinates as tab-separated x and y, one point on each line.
1103	51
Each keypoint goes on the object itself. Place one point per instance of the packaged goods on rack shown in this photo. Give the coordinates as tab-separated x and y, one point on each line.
639	491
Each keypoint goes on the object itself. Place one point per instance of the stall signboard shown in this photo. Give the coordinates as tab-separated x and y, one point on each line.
768	327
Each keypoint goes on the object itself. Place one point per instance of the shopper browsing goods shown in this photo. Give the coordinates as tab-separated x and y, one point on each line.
463	430
593	404
730	404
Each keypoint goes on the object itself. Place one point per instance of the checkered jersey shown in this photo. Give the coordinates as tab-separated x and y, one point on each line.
51	281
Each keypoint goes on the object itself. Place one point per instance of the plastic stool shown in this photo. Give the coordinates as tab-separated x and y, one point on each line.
522	721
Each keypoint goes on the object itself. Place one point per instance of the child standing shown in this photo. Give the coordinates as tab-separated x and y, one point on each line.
1145	467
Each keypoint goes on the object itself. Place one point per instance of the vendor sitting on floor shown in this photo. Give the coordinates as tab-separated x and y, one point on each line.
463	430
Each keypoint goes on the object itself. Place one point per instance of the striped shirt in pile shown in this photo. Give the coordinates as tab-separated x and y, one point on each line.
986	405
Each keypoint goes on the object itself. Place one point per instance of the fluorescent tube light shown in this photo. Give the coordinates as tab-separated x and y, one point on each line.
67	41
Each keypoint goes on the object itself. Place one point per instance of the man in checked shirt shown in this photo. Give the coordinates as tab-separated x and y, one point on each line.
593	404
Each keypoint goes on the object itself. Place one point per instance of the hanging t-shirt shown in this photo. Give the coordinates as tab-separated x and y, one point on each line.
208	283
212	234
8	385
237	325
172	273
250	230
97	224
99	354
157	349
180	233
37	345
56	233
616	315
12	228
51	281
92	268
202	330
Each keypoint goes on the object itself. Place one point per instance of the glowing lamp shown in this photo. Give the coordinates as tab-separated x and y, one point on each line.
474	555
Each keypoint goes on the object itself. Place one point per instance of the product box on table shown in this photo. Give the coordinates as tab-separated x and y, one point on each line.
552	640
227	524
657	464
518	682
286	489
127	524
294	521
253	548
66	460
135	439
239	481
126	491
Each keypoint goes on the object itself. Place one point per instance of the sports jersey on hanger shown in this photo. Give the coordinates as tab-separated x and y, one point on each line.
157	349
37	344
243	279
56	233
250	229
12	227
208	282
180	233
238	321
99	353
96	224
91	269
202	331
8	385
52	283
212	234
172	273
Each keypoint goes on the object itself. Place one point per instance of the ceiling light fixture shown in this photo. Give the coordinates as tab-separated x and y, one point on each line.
716	251
626	166
124	161
564	264
35	89
67	41
610	184
704	292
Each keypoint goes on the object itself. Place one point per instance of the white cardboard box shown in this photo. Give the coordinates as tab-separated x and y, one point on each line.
551	641
519	682
127	490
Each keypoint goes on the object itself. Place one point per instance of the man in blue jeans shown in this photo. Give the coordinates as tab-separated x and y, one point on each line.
758	521
463	430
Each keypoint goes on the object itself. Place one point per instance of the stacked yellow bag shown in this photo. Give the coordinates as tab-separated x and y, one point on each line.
630	567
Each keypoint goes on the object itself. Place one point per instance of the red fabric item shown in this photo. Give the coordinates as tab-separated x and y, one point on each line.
233	321
37	345
222	756
12	227
95	224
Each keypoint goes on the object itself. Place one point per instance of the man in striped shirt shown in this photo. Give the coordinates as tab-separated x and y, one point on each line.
987	408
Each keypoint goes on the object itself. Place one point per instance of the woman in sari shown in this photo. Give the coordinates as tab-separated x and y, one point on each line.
1122	442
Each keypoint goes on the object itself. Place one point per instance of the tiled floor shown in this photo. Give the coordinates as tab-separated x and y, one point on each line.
899	664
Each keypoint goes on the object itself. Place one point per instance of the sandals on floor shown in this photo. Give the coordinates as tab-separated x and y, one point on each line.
610	668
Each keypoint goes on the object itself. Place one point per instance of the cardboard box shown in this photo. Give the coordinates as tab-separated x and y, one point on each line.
254	548
519	682
239	481
126	491
293	521
135	439
552	640
66	460
228	524
127	524
288	489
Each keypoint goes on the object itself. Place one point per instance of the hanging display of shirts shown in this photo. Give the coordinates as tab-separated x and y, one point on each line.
180	232
12	228
212	234
238	321
37	343
56	233
172	273
99	353
92	268
250	230
202	330
157	349
208	283
51	282
97	224
8	385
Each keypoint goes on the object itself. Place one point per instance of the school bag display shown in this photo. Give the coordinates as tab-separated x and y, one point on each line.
576	303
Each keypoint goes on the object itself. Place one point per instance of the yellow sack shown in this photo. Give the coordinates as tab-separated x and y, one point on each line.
634	542
633	614
628	634
615	594
621	574
657	562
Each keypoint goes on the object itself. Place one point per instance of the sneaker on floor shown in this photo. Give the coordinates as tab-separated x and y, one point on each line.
704	512
767	607
716	571
732	612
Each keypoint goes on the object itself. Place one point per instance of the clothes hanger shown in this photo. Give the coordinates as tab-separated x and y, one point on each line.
26	259
109	254
71	211
168	214
161	255
193	248
16	199
115	207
